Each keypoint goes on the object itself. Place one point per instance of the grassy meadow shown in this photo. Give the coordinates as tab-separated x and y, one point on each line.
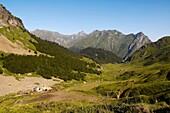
122	88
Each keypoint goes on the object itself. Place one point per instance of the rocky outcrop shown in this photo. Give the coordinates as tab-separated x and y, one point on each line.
6	19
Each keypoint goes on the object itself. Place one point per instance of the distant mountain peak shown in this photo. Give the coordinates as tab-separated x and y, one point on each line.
96	31
81	33
64	40
140	34
142	37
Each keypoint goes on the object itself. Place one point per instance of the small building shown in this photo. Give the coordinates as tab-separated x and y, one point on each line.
37	88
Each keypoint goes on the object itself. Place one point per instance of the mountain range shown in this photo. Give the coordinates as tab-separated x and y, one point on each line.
64	40
110	40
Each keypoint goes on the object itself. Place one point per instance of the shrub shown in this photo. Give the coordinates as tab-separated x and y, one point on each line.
147	89
1	71
168	75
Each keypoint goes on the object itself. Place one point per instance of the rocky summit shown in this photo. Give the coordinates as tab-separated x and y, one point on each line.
7	19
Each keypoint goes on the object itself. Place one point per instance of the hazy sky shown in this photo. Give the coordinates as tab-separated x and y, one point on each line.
71	16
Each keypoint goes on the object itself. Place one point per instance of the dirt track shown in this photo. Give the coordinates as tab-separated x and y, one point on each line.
9	84
64	96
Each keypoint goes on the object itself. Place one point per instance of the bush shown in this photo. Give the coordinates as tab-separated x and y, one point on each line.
127	75
162	110
147	89
1	71
139	99
168	75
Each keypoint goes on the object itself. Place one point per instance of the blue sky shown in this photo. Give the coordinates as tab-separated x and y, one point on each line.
71	16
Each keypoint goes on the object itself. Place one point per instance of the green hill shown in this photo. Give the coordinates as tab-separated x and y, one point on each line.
100	55
56	61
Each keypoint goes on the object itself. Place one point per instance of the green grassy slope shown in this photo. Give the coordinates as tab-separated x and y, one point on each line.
15	34
120	88
54	60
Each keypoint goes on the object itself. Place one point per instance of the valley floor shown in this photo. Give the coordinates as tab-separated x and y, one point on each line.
9	84
142	89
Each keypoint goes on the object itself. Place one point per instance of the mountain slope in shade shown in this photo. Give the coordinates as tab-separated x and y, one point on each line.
153	53
100	55
114	41
64	40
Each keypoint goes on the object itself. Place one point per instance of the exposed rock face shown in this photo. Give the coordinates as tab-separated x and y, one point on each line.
7	19
139	40
155	52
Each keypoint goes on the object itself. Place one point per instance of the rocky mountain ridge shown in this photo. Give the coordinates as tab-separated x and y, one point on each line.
114	41
155	52
64	40
110	40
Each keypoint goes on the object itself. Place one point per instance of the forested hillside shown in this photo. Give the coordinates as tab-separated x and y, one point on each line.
57	62
100	55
